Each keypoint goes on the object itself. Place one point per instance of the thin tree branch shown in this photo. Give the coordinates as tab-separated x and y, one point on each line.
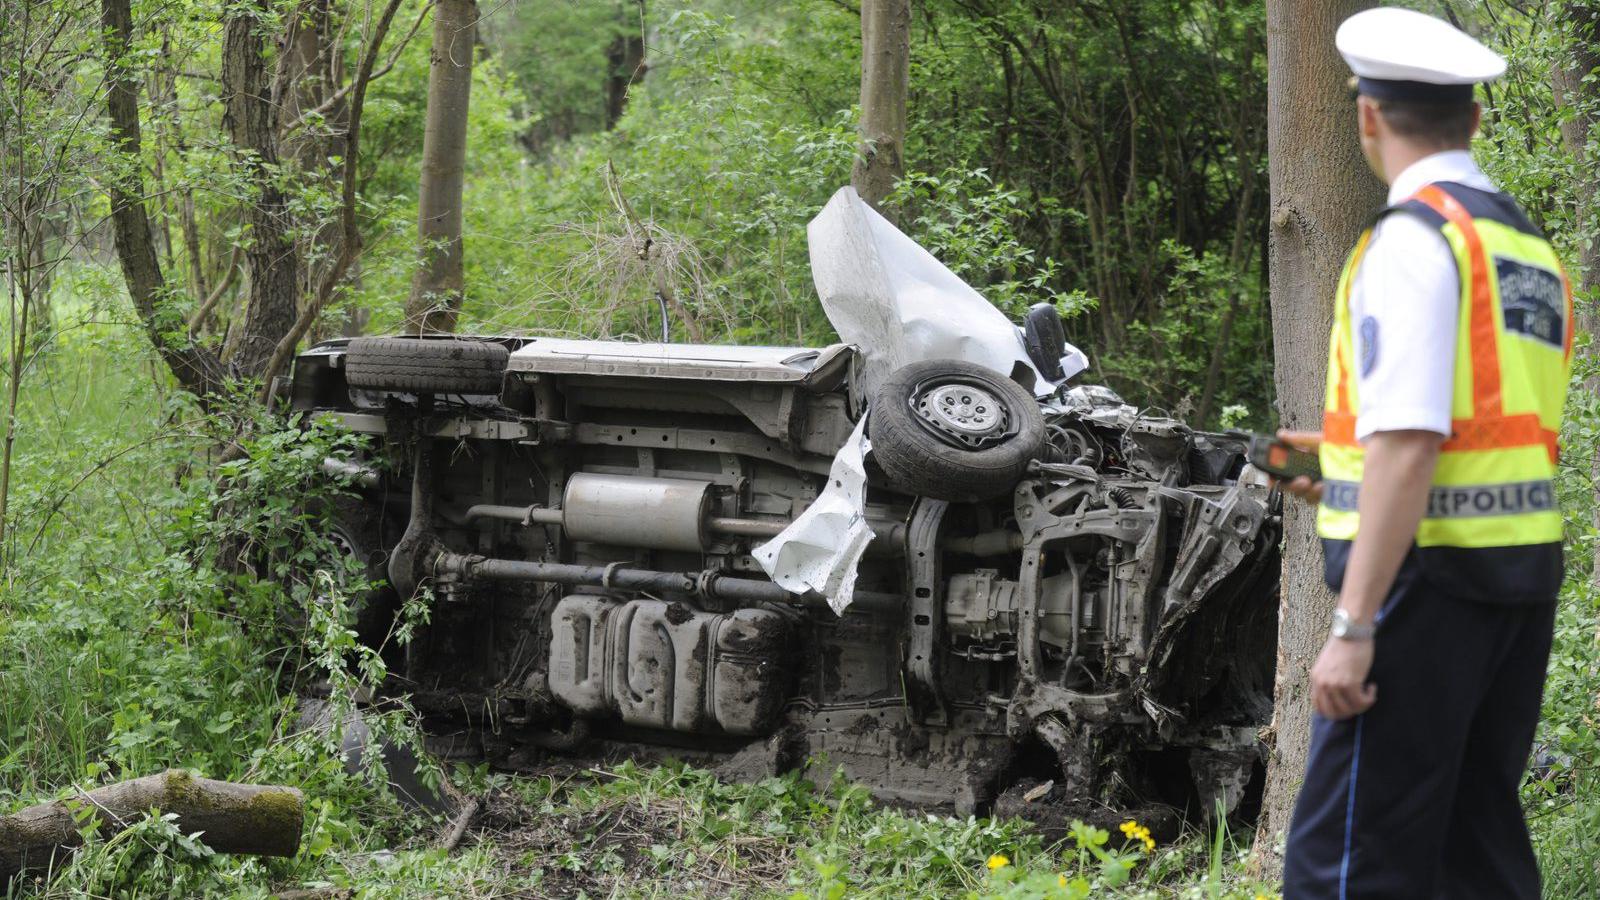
351	244
198	318
328	105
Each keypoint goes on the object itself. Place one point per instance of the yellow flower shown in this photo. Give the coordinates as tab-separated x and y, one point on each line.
1133	831
997	861
1061	881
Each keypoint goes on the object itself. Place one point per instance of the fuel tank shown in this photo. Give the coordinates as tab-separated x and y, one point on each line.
662	664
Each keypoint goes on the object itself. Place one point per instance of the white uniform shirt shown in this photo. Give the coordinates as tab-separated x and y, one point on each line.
1403	310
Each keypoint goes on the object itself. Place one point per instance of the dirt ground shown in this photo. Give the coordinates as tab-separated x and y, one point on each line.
610	845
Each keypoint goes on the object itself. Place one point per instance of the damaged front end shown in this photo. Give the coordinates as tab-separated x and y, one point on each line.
1138	618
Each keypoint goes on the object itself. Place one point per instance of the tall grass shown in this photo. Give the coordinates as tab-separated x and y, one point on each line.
129	644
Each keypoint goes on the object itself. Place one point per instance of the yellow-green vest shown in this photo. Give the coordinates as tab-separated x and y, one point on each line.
1493	487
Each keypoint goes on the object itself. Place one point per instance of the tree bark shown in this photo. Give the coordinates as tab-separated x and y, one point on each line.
271	258
626	58
1582	60
885	76
436	287
309	150
198	371
350	239
1321	193
257	820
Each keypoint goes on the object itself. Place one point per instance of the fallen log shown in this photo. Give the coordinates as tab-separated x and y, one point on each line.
250	819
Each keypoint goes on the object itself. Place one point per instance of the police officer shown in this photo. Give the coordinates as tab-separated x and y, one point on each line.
1447	369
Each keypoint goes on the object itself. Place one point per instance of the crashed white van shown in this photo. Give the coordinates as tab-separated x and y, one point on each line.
923	555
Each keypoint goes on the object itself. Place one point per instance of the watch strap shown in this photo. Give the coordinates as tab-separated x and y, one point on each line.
1348	629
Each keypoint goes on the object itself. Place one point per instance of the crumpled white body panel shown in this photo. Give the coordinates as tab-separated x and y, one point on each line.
897	304
820	549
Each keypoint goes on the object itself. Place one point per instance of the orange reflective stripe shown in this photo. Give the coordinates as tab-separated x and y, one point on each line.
1342	391
1566	284
1341	396
1481	326
1490	433
1338	428
1500	433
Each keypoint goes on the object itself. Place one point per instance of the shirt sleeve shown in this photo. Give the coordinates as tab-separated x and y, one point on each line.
1403	313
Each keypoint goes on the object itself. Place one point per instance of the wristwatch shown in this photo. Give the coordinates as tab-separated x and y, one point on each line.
1348	629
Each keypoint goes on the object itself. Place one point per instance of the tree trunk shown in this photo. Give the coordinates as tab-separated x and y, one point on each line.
196	370
258	820
21	303
271	260
437	285
1322	191
307	149
1582	61
626	58
885	74
350	239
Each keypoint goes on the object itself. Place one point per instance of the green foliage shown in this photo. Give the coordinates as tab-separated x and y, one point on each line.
154	623
1036	177
725	167
806	836
971	222
557	54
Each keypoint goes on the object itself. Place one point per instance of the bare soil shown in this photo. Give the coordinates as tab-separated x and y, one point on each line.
605	848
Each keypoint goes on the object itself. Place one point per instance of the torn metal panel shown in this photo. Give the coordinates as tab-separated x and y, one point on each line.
898	304
819	553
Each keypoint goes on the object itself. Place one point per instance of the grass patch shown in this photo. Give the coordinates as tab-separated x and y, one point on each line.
675	831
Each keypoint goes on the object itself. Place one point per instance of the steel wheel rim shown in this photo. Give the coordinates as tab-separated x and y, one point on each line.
961	412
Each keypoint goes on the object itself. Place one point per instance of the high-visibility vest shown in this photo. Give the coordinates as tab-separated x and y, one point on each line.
1492	526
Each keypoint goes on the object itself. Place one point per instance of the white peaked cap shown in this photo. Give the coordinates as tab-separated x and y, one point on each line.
1391	44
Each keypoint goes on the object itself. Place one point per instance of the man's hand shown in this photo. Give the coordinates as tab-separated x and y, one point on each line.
1303	487
1339	686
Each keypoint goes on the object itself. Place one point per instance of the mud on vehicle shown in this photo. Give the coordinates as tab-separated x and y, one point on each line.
1064	590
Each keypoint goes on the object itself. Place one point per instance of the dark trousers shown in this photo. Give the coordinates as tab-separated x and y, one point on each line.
1418	796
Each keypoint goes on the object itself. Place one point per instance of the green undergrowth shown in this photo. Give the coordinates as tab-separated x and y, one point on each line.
165	596
666	831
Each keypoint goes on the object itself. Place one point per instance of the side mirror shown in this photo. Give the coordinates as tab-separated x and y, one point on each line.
1046	339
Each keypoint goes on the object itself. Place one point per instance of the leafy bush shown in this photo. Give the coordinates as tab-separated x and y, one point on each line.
165	615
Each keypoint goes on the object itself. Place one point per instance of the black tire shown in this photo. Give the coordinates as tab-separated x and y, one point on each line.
359	529
425	365
356	530
920	462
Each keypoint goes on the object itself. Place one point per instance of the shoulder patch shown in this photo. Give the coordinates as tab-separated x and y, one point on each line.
1533	301
1369	345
